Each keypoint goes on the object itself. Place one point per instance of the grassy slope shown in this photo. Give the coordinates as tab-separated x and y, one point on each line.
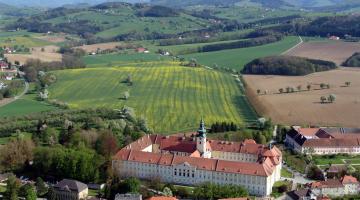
172	98
237	58
24	107
124	20
9	40
121	59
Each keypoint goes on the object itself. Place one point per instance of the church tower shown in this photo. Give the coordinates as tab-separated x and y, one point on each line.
201	142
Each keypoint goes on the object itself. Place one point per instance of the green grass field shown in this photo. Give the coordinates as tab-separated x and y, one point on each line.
111	60
27	41
24	107
286	173
237	58
336	159
172	98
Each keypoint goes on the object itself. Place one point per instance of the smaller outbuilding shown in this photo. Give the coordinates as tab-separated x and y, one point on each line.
70	190
128	196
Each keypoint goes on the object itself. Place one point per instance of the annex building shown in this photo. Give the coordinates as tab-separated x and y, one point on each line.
323	140
196	159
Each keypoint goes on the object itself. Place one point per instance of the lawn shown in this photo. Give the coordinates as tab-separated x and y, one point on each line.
171	97
26	41
296	162
237	58
24	107
336	159
121	59
286	173
277	188
2	189
4	140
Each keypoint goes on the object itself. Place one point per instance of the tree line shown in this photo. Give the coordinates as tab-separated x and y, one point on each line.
353	61
71	59
287	65
242	43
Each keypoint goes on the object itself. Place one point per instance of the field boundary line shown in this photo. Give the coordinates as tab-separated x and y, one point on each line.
298	44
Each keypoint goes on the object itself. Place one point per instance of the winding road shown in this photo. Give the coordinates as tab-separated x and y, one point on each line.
26	89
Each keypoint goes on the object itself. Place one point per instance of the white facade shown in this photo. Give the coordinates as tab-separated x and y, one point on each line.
188	175
196	160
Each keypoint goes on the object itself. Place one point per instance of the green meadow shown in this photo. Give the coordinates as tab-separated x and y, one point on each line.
171	97
237	58
24	107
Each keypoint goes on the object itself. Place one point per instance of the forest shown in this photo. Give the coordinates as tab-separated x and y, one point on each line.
287	65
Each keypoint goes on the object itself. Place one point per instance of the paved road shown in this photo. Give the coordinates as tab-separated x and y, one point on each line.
298	178
26	89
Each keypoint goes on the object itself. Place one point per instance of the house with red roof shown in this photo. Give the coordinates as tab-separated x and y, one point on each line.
347	185
196	159
322	141
4	65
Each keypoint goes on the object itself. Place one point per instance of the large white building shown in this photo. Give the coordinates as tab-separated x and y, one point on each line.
324	140
195	160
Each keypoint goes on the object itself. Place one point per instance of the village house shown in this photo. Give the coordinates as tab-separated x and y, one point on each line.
70	190
333	37
301	194
2	85
128	196
162	198
347	185
140	50
322	141
4	65
195	160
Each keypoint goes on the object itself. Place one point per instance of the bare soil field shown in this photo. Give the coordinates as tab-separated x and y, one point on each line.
53	38
100	46
305	108
336	51
46	54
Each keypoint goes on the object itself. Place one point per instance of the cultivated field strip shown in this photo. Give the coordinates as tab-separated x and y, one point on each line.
171	97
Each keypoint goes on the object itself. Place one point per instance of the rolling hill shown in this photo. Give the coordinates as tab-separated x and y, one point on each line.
109	20
170	96
58	3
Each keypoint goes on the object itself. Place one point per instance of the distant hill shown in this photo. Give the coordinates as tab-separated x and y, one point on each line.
331	5
115	20
57	3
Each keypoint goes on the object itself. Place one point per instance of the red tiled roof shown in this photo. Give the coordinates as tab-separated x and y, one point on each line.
330	183
162	198
175	143
243	168
349	180
141	143
329	142
196	154
200	163
308	131
144	157
133	152
240	147
264	169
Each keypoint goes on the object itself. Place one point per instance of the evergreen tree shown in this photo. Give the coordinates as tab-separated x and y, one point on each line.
41	187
